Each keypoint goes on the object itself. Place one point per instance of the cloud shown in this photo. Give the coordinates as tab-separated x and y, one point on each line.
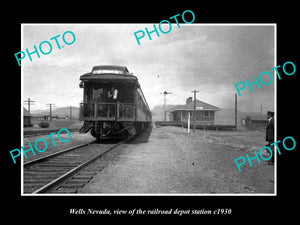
208	58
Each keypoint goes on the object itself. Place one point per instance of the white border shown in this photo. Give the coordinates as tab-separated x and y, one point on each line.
22	118
150	194
275	107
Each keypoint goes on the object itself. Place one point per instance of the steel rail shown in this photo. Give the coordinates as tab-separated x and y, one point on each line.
58	180
32	133
35	161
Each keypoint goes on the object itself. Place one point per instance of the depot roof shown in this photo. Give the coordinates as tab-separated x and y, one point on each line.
200	106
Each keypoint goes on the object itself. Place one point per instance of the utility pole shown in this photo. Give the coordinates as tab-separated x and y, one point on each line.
70	113
235	111
50	105
189	123
29	102
165	93
261	115
194	113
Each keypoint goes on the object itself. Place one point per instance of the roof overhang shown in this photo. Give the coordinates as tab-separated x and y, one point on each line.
108	78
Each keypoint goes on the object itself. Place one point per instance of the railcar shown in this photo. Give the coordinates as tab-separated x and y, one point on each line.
114	105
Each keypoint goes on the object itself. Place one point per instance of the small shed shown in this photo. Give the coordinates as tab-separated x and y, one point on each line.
254	122
205	113
26	118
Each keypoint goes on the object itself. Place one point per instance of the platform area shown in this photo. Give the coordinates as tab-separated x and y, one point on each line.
197	126
167	160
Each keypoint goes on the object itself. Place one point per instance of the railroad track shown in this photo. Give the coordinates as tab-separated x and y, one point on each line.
32	133
69	170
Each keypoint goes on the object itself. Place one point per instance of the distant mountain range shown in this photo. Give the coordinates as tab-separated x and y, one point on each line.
225	116
60	112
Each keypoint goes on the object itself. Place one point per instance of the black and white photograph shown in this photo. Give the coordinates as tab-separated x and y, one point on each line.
106	112
149	113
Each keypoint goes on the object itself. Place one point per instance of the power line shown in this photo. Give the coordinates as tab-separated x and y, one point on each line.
236	71
253	58
249	62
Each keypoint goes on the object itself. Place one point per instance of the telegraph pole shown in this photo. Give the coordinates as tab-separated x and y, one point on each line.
235	111
194	114
29	102
70	113
50	105
165	93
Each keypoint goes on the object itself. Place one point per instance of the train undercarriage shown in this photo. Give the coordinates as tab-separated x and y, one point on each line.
113	129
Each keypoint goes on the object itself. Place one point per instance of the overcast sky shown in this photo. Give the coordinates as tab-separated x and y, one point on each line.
208	58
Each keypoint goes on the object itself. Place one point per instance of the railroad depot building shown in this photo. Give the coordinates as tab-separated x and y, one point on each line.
205	113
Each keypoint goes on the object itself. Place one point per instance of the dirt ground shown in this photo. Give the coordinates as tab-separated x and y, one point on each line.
167	160
54	124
